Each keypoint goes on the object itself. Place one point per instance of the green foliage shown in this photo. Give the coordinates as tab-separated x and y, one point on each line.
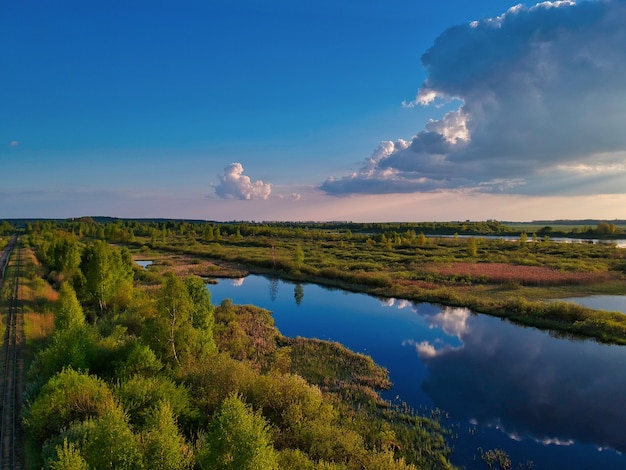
212	381
108	442
139	360
67	397
472	247
107	273
182	329
63	253
164	448
139	394
238	438
298	257
67	457
68	313
74	347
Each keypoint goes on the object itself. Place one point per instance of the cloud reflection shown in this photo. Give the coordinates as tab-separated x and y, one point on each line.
237	282
398	303
453	321
529	384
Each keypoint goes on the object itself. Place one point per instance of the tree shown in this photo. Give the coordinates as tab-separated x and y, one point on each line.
238	439
106	270
67	397
68	457
68	312
174	310
421	239
110	443
523	238
164	447
472	246
182	328
298	256
63	253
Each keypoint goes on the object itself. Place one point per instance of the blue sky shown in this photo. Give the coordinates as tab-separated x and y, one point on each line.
325	110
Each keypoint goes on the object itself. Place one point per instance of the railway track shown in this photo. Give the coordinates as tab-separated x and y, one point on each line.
12	363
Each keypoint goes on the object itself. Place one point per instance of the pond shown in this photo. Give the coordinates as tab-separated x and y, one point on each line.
556	402
144	263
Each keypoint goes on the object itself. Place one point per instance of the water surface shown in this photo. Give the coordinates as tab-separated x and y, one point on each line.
557	402
611	303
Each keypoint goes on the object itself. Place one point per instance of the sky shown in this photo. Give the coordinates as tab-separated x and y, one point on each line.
411	110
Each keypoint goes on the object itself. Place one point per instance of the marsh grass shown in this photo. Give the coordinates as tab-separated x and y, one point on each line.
427	269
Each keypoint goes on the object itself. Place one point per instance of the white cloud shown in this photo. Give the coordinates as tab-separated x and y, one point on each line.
453	321
542	95
425	350
14	144
235	185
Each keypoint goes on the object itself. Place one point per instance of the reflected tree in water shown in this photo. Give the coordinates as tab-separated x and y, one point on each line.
273	289
298	293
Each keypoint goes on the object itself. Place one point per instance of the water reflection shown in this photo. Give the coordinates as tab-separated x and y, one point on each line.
298	293
547	395
237	282
273	289
529	384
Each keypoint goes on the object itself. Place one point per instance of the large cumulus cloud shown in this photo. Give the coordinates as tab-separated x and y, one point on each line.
233	184
543	106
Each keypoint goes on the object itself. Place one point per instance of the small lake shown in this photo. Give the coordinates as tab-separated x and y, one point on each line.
144	263
557	402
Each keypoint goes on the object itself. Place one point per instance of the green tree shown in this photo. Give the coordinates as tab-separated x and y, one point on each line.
68	457
67	397
472	246
106	271
238	439
68	312
164	447
174	314
182	328
421	239
523	239
110	443
298	256
74	347
63	253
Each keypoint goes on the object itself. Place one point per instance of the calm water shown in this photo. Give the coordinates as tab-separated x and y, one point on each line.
612	303
559	403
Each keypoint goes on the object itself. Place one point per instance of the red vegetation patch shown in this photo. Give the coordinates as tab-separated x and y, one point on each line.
525	275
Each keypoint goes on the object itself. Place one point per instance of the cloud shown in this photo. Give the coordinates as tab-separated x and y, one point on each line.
530	384
542	102
14	143
235	185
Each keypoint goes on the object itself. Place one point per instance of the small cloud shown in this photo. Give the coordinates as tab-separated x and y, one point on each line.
14	144
290	197
235	185
237	282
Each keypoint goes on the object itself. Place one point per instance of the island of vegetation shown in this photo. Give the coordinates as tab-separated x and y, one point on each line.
133	368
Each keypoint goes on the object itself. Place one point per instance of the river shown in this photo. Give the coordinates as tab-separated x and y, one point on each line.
556	402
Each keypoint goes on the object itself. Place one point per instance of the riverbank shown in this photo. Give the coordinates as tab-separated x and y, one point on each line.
502	279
